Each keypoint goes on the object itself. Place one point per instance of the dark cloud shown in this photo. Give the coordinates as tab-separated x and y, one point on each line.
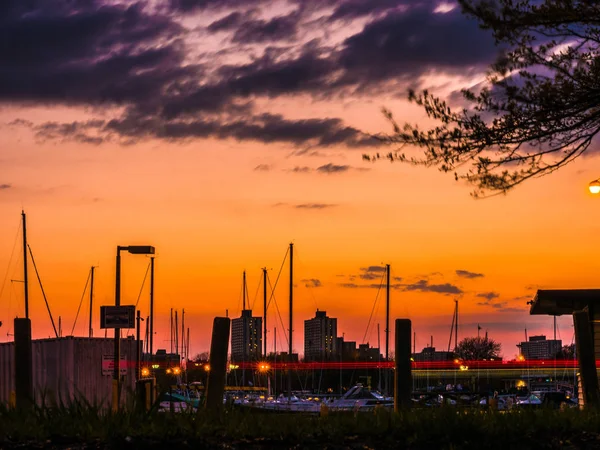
276	29
467	274
88	53
409	43
5	186
226	23
424	286
333	168
312	283
301	169
314	206
352	9
372	272
368	286
187	6
488	295
263	168
140	59
267	128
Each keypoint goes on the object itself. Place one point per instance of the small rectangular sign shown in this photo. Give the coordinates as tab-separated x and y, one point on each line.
117	316
108	365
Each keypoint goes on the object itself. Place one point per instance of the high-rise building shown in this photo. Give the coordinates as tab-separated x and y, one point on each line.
538	347
320	337
246	337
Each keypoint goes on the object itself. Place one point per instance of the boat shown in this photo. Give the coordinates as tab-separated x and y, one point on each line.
360	398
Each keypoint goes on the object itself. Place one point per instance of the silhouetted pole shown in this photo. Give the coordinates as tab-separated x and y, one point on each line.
265	309
387	313
387	326
117	343
91	331
218	363
584	344
402	375
291	319
137	347
25	278
151	306
456	328
23	369
244	295
183	347
171	331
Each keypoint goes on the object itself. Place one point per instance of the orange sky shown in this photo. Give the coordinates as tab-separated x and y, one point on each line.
211	213
210	216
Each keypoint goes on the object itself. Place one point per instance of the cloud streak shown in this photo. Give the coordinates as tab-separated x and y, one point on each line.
468	274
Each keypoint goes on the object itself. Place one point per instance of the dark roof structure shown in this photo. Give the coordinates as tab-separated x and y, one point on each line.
556	302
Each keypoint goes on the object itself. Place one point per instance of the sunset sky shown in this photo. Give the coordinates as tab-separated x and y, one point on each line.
220	131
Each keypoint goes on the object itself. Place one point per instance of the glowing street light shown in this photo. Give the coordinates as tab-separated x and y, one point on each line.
594	187
145	372
207	367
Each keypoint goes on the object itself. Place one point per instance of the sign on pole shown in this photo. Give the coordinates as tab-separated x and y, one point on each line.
108	365
117	316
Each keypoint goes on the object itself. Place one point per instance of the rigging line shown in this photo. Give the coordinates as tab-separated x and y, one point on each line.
256	293
130	332
308	283
277	279
240	299
373	309
278	313
142	288
81	301
10	259
42	288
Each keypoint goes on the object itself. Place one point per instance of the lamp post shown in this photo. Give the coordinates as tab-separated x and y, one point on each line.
135	250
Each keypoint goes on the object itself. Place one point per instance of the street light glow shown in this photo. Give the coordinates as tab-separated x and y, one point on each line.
594	187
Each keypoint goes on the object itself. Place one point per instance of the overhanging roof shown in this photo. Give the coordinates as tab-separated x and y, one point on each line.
556	302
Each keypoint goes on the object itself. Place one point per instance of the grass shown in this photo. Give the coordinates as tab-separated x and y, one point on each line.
81	425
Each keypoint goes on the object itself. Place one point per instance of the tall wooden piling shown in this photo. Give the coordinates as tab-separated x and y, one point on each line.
23	364
403	375
584	344
218	363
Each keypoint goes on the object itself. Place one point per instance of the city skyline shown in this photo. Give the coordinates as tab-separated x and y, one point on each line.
219	134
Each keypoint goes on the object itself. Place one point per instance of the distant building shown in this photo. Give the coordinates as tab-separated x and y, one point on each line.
538	347
347	349
366	353
246	337
429	354
320	337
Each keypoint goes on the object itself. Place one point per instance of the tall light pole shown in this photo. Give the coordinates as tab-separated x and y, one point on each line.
135	250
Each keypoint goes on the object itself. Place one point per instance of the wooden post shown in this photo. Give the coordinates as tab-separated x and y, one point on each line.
23	369
218	363
586	358
402	375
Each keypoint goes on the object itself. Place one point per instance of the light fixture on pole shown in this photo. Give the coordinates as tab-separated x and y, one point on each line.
135	250
594	187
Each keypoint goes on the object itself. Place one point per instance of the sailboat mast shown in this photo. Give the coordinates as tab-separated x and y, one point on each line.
91	331
456	327
265	309
25	280
183	347
387	313
244	292
176	331
291	318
